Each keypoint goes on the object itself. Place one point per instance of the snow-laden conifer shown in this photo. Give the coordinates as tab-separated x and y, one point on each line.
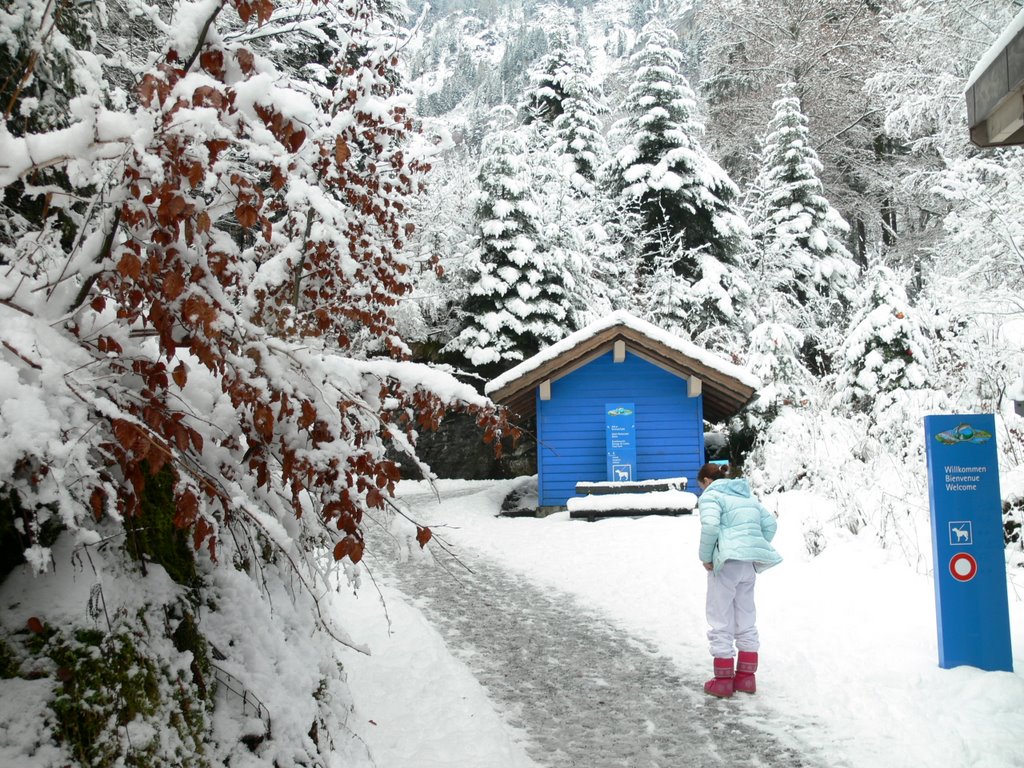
541	100
563	96
578	133
774	356
797	233
684	199
516	302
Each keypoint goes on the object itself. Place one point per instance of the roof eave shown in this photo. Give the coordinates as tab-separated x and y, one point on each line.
725	395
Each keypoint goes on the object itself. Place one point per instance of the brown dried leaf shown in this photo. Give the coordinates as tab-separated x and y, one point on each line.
341	151
180	375
174	285
247	215
246	60
130	266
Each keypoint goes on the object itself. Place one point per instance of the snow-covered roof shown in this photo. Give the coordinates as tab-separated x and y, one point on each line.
994	90
996	48
726	387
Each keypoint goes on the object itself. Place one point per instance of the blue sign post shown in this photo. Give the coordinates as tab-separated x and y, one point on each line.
620	441
967	541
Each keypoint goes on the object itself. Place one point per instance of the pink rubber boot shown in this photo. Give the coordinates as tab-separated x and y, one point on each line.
721	684
746	666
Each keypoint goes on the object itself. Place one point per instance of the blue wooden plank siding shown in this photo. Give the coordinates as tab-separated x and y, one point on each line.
571	425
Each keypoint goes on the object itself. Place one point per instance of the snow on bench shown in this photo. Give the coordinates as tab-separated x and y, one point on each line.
632	486
632	504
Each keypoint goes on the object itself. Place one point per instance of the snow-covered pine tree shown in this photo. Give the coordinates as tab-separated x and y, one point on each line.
684	199
562	95
885	349
541	100
561	105
827	47
617	245
565	234
578	131
797	233
516	304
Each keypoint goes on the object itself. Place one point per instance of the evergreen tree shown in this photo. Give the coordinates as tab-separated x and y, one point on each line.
516	302
712	310
546	91
578	132
797	233
564	221
561	105
616	245
661	165
885	348
666	299
684	199
774	356
563	95
827	48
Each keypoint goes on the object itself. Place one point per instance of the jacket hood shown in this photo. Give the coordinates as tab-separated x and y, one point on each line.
736	487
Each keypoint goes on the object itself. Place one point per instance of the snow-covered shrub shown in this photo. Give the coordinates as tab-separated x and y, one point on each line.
204	239
1013	530
805	447
1012	488
773	355
814	539
885	349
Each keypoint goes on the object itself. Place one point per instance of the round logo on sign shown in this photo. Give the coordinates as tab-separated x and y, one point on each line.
963	567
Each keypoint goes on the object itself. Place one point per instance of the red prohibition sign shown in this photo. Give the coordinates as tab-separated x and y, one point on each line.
963	567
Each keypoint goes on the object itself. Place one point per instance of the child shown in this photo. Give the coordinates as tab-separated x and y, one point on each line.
735	531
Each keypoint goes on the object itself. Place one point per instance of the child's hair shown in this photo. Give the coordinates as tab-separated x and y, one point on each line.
713	472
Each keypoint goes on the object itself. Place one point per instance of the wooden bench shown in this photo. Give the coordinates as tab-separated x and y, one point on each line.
666	496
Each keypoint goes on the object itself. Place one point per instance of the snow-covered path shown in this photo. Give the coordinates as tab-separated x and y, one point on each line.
577	643
584	693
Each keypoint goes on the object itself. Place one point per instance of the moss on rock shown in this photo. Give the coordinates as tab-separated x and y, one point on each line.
152	535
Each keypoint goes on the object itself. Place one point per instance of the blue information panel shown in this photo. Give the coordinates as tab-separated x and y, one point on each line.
620	441
967	541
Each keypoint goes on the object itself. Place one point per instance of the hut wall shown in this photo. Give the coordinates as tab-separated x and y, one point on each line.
571	425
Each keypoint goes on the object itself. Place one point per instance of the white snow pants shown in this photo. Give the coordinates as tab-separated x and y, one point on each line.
730	609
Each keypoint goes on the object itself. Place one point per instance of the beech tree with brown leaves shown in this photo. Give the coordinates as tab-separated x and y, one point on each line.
202	253
198	275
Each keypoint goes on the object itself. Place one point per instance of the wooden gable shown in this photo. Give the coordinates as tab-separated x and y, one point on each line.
724	395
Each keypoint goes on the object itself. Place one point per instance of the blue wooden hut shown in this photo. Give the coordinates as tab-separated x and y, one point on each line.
620	400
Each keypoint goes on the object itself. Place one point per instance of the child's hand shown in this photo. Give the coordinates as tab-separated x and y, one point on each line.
708	566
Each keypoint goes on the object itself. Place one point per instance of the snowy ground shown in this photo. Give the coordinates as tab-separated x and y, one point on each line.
849	663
